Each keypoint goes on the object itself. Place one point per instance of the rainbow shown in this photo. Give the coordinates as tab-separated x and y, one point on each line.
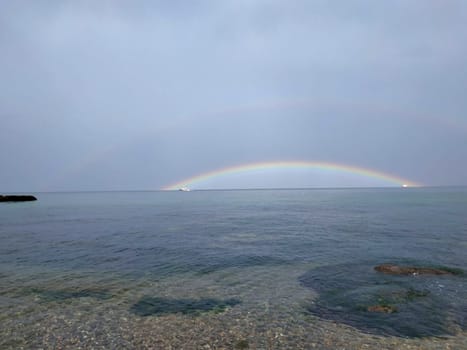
90	160
392	179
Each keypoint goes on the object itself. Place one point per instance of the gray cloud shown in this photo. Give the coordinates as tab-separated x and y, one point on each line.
128	95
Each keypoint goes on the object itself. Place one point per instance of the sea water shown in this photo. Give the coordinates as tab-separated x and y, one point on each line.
262	269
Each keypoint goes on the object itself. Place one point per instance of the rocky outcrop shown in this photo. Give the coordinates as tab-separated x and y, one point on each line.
411	270
19	198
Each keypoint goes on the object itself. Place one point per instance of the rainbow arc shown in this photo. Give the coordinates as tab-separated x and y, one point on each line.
389	178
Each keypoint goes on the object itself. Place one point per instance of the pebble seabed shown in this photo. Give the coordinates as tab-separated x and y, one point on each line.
101	315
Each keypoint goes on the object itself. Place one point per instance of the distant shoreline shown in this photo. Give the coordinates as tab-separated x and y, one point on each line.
17	198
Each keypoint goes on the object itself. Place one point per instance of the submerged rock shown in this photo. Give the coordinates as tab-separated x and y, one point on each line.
62	294
17	198
386	303
387	309
242	344
148	306
412	270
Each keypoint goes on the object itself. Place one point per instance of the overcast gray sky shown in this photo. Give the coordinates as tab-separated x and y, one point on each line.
140	94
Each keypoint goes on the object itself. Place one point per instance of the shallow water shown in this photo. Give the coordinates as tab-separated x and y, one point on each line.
233	269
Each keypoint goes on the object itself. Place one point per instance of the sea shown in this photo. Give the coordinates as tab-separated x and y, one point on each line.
234	269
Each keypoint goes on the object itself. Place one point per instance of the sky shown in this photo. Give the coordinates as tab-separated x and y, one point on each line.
136	95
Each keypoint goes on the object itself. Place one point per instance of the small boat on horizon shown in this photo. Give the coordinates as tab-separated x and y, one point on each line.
184	189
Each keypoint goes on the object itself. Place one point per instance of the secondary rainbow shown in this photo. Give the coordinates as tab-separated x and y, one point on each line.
396	180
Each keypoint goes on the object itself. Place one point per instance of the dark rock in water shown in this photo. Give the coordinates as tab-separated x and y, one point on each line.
163	306
388	309
18	198
61	295
242	344
411	270
388	304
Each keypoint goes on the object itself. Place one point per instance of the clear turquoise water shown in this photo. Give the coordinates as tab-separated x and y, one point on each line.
210	254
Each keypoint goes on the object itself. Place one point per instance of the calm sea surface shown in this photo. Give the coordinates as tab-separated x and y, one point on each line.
266	269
